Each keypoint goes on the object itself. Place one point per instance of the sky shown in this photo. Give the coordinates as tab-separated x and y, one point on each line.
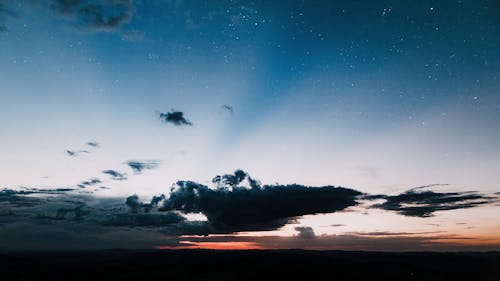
351	125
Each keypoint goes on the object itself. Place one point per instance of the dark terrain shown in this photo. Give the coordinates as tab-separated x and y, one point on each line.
249	265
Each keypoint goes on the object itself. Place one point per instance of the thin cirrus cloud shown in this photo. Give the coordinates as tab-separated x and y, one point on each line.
138	166
74	153
84	15
229	108
78	152
102	15
5	12
115	175
424	203
93	144
90	182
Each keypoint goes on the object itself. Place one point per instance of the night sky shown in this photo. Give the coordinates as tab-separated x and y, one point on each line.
354	125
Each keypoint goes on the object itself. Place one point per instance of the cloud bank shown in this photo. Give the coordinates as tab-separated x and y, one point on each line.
235	203
231	207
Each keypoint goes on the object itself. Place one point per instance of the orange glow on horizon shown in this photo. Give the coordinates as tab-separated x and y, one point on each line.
186	245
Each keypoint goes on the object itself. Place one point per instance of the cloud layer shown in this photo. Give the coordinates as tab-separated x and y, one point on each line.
235	203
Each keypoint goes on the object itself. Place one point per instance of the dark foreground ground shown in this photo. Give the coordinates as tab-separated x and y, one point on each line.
249	265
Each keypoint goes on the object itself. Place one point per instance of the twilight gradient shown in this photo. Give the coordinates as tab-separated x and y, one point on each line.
376	96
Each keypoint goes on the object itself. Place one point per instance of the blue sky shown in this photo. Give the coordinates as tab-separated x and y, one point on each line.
375	96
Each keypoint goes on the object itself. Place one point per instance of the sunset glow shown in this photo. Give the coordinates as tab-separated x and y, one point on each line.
188	245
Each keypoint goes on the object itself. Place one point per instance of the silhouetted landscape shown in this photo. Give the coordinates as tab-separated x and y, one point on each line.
250	265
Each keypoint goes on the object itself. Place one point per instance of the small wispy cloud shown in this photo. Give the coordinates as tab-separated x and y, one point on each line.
115	175
418	202
93	144
229	108
77	152
138	166
74	153
175	117
90	182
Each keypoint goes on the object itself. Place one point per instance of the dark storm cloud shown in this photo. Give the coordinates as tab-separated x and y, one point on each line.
139	166
175	117
98	15
115	175
423	203
305	232
232	208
